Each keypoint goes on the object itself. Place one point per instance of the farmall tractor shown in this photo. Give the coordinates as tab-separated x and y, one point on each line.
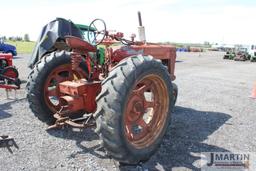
83	78
8	73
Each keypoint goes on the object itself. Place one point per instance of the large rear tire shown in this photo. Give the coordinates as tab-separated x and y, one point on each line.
133	109
43	80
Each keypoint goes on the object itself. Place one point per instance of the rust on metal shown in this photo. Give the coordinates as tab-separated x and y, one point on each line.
58	75
79	45
83	122
146	111
7	57
162	52
76	59
80	95
75	92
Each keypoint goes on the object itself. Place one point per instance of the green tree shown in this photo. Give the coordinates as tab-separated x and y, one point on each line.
26	38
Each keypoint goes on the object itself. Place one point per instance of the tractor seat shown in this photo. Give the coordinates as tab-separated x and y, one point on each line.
80	45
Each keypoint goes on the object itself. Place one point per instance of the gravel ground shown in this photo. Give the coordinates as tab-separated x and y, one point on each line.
213	113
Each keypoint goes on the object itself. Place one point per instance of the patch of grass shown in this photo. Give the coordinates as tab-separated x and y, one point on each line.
23	47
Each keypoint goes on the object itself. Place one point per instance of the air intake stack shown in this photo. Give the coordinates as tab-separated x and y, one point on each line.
141	29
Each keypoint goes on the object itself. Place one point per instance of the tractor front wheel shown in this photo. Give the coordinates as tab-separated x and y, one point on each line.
133	109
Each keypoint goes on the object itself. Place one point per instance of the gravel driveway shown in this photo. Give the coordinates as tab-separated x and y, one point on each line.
213	113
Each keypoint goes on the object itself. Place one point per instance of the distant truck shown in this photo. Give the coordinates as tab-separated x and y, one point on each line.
252	53
242	54
230	54
7	48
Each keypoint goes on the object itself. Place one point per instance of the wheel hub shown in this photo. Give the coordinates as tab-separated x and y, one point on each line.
58	75
146	111
135	107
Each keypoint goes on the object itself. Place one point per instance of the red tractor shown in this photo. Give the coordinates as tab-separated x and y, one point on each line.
8	73
125	91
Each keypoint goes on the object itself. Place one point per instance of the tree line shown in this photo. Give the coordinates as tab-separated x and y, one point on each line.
17	38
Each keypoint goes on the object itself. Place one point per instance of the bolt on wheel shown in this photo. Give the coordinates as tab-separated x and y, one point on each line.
146	111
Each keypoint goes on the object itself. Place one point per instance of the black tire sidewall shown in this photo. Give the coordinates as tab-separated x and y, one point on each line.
143	154
111	103
37	81
64	59
175	89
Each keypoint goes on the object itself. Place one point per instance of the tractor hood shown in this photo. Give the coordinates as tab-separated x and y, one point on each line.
53	31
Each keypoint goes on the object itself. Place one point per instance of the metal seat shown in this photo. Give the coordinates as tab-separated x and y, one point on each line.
79	45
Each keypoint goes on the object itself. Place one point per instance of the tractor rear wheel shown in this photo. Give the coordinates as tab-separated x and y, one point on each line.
42	92
134	109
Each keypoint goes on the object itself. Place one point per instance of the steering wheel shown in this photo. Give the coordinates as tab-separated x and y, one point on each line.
96	31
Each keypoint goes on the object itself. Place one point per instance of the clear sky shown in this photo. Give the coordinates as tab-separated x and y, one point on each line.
192	21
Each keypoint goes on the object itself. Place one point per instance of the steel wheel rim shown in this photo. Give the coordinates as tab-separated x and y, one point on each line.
145	117
59	74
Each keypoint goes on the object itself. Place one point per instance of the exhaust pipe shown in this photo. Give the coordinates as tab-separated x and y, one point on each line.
141	29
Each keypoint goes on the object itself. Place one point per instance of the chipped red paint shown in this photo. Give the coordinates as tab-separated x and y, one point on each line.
162	52
7	57
80	95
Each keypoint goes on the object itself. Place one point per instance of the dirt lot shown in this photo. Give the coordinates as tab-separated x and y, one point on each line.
213	113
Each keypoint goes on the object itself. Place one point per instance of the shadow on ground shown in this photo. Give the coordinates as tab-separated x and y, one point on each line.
81	137
177	61
185	136
3	114
7	106
17	57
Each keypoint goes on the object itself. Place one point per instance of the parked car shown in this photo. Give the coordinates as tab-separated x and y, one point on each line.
7	48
